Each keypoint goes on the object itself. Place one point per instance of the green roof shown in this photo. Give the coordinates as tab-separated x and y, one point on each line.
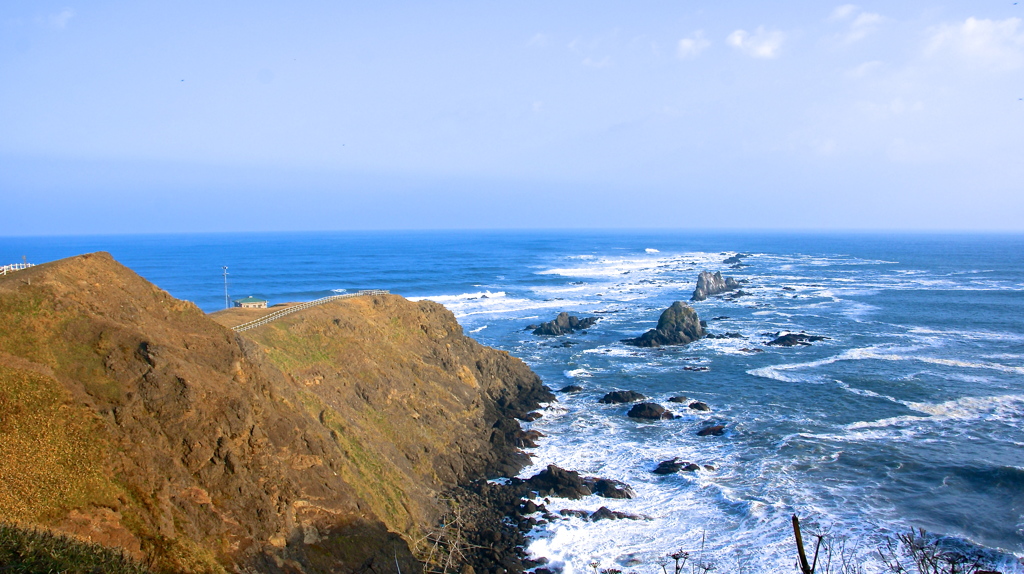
251	299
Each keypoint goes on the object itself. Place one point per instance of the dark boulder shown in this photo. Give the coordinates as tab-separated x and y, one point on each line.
678	325
555	481
620	397
570	389
735	258
678	399
675	465
649	411
793	339
699	406
564	324
713	430
671	466
604	513
610	488
729	335
696	368
709	284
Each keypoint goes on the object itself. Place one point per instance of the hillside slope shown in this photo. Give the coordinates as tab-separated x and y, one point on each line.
320	442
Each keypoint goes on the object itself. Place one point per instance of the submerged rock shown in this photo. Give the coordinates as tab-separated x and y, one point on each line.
678	325
793	339
563	325
713	430
709	284
620	397
650	411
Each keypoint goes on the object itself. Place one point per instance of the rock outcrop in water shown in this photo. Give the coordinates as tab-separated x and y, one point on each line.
794	339
316	443
621	397
563	324
678	325
709	284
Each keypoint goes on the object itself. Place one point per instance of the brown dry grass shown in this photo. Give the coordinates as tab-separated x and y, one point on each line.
51	451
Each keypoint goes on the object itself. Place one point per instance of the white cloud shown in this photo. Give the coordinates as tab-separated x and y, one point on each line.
539	40
843	12
761	44
996	44
692	46
864	69
60	19
861	23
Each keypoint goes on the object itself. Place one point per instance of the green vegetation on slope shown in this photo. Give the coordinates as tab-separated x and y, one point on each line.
31	551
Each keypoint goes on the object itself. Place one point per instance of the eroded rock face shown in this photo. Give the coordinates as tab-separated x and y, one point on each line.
564	324
678	325
709	284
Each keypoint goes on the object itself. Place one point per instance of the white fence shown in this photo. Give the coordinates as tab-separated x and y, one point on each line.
278	314
4	270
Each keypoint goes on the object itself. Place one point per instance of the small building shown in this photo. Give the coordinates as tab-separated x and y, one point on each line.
251	302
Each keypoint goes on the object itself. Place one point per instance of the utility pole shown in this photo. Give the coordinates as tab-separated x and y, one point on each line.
227	300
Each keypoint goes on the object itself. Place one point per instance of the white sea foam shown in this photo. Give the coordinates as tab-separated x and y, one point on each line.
478	329
578	373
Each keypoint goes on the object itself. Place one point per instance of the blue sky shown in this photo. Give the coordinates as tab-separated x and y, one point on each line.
258	116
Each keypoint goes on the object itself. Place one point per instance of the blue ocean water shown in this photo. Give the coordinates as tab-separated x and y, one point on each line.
911	413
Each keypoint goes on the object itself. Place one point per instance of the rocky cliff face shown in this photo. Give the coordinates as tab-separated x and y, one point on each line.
678	325
320	442
709	284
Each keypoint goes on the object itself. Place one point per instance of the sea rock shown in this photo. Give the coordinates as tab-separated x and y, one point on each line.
735	258
604	513
678	325
727	335
698	368
570	389
793	339
609	488
713	430
699	406
564	324
678	399
675	465
709	284
620	397
555	481
530	416
650	411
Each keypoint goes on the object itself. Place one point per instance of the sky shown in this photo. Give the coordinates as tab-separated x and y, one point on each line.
187	116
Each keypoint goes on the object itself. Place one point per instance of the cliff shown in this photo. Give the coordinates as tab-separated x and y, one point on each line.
320	442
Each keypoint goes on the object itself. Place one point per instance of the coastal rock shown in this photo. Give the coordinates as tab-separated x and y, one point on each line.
563	325
604	513
735	259
678	399
678	325
570	389
650	411
793	339
674	465
621	397
709	284
610	488
555	481
727	335
713	430
699	406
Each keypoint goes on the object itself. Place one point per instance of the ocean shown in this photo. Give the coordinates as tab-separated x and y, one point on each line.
909	415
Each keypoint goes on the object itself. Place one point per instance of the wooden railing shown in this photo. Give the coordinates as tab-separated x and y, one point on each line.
5	269
278	314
